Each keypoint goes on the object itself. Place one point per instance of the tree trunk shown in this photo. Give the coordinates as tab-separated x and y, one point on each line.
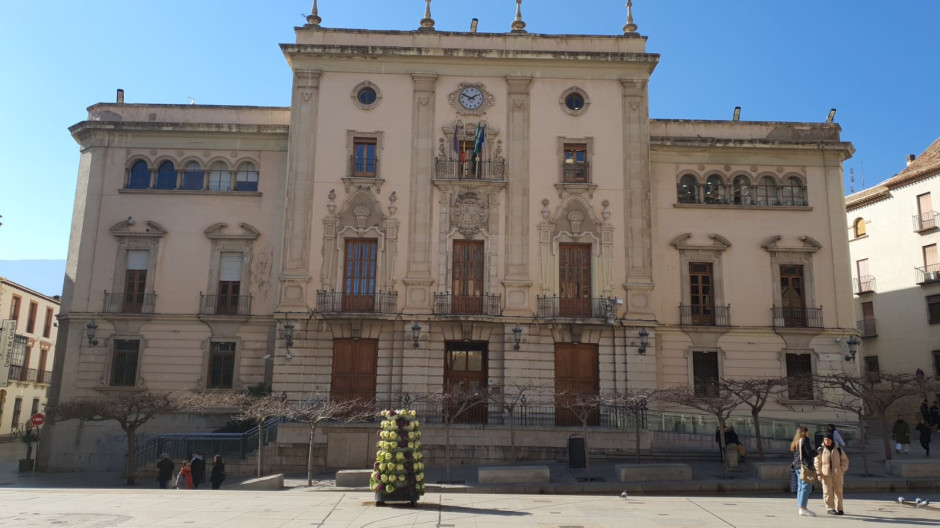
587	459
755	414
131	456
313	429
863	439
886	434
512	439
260	445
722	446
636	434
447	451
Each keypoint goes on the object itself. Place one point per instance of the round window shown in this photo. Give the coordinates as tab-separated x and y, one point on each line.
366	96
574	101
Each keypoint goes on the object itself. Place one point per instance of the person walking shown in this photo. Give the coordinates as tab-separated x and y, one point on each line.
901	433
718	439
218	472
198	467
836	437
185	478
803	455
925	410
925	433
831	464
934	415
164	470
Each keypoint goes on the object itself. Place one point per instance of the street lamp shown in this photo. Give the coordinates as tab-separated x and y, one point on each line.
644	340
415	333
853	348
90	330
516	336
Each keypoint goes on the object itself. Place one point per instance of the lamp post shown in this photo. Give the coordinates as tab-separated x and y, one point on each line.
415	333
853	348
516	336
90	330
644	340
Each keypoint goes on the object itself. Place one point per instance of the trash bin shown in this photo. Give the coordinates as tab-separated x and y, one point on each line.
576	458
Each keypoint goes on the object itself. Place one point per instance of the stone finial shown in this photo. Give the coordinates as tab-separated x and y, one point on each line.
629	28
427	23
518	26
313	18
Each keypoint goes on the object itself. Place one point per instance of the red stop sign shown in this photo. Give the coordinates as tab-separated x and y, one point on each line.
37	419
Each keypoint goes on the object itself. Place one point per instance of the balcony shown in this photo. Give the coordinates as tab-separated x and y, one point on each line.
141	303
452	169
927	274
867	327
363	167
864	284
797	317
697	315
450	304
20	373
576	172
925	221
588	308
224	304
339	302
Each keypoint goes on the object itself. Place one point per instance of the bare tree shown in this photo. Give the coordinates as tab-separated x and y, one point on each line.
635	403
510	399
586	409
315	411
755	393
454	402
259	410
130	409
719	405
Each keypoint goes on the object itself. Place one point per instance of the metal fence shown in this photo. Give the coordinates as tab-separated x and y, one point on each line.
450	304
224	304
338	302
131	302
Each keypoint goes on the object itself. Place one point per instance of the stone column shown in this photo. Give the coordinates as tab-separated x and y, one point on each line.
298	202
418	279
517	281
636	199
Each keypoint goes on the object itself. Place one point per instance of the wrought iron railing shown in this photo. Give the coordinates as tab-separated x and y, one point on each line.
452	169
864	284
576	172
926	220
131	302
867	327
363	167
525	415
591	307
224	304
698	315
929	273
797	317
339	302
451	304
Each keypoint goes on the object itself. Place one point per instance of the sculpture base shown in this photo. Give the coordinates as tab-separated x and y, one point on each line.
399	495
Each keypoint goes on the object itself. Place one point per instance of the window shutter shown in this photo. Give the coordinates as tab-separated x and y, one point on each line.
231	267
137	259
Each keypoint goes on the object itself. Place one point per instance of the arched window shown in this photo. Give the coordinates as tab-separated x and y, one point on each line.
166	176
220	178
688	189
793	192
767	191
859	227
714	190
194	178
247	177
741	189
139	177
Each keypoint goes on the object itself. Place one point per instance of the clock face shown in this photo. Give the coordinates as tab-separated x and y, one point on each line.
471	98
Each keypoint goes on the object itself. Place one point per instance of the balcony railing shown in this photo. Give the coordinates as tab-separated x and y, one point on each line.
363	167
115	302
926	220
697	315
339	302
224	304
592	307
925	274
797	317
452	169
867	327
451	304
576	172
21	373
865	284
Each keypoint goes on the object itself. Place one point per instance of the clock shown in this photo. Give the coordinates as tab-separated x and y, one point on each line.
471	98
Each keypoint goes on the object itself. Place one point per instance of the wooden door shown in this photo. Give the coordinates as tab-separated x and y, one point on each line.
792	296
701	295
359	275
354	369
465	373
576	378
574	275
467	277
925	212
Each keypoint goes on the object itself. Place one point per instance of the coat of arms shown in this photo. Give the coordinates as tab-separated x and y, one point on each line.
469	213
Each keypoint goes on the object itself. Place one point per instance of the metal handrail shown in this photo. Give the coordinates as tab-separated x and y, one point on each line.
483	170
588	307
864	284
698	315
452	304
340	302
130	302
797	317
224	304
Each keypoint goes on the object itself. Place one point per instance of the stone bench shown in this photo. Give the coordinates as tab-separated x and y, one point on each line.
513	475
914	468
268	483
652	472
772	470
353	478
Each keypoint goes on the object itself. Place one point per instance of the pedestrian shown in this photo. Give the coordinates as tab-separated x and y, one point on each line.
185	478
198	468
731	437
831	464
901	433
925	432
218	472
925	410
836	437
934	415
164	470
718	438
803	455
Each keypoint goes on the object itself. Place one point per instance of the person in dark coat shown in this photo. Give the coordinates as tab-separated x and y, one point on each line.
925	433
198	467
164	470
218	472
925	410
934	415
901	433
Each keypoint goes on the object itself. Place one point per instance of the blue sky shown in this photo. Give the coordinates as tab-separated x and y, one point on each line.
780	61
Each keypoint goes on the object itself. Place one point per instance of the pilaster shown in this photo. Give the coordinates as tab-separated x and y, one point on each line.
517	281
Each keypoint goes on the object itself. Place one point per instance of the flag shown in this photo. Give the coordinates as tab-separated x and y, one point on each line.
456	141
479	139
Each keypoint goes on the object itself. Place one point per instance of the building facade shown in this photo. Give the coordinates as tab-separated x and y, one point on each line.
441	209
29	329
893	232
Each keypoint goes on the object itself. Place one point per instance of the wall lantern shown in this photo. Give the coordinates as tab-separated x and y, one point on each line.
289	335
853	348
516	336
644	340
415	333
90	330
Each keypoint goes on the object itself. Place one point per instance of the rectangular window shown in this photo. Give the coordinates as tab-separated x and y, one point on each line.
865	281
17	409
135	280
574	275
359	275
867	324
792	295
931	260
364	161
221	365
467	280
799	377
41	375
701	296
15	309
47	323
124	363
705	373
872	369
18	357
35	408
24	372
933	309
230	276
576	164
925	214
465	370
31	317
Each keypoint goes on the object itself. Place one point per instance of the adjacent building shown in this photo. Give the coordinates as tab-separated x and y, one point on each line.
441	209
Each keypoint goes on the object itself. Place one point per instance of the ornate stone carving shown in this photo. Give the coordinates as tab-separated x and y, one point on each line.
469	213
